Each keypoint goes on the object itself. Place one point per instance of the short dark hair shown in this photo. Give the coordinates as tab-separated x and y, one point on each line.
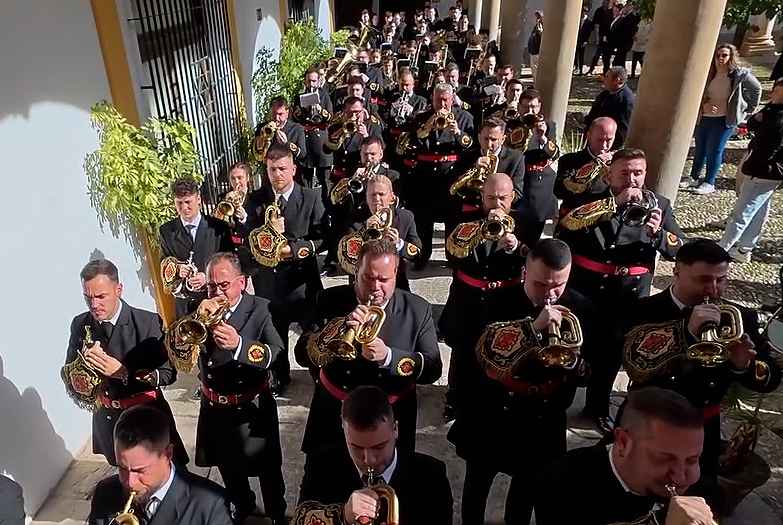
377	249
352	100
702	250
628	154
354	80
366	407
530	94
143	425
665	405
618	72
185	187
278	151
372	139
493	122
98	267
516	81
554	253
241	165
278	102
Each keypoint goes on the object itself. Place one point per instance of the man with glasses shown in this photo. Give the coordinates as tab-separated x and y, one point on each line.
238	428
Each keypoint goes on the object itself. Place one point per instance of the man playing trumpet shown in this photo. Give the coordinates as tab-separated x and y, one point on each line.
526	368
237	425
663	331
281	130
403	352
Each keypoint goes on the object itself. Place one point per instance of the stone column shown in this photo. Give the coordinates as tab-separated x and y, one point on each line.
493	20
474	13
758	39
512	41
671	87
556	62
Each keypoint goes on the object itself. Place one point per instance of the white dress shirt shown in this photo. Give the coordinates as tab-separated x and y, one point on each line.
195	222
155	500
388	473
286	194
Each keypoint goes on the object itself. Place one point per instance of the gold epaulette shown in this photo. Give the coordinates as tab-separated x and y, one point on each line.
503	347
586	215
464	239
650	349
584	177
348	252
403	141
315	513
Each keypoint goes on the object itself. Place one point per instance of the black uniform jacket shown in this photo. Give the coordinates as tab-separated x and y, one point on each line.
190	500
510	162
346	151
246	433
419	481
619	106
702	386
305	224
438	142
315	130
136	341
296	142
570	178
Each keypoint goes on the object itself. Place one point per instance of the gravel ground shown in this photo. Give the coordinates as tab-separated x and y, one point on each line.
752	284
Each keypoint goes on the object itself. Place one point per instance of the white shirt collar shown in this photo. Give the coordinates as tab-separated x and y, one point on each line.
161	492
286	194
617	474
386	474
680	304
195	221
116	315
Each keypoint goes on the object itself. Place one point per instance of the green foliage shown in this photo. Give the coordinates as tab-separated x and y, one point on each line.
737	11
130	174
301	46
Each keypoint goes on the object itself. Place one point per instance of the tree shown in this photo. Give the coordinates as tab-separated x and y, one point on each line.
737	11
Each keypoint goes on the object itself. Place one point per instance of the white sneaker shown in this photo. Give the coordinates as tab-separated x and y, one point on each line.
704	188
740	255
688	183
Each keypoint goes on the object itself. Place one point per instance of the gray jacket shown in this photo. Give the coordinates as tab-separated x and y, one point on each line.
744	97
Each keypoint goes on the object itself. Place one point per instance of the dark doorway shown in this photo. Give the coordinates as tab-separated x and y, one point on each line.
347	13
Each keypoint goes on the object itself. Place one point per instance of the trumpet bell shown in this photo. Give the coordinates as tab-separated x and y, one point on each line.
370	329
355	185
191	332
337	340
350	127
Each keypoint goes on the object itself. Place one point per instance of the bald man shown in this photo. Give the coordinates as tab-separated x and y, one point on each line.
486	273
579	174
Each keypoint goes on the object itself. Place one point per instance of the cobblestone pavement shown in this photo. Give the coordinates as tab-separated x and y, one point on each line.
752	283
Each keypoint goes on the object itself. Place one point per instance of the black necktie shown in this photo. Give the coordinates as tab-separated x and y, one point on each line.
191	228
281	202
108	328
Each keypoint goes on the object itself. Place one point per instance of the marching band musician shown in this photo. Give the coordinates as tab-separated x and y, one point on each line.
127	352
192	237
491	141
281	130
314	120
614	240
579	174
403	107
335	489
149	485
462	95
646	476
403	352
660	328
510	105
293	280
237	425
526	384
380	195
431	148
486	272
239	183
344	142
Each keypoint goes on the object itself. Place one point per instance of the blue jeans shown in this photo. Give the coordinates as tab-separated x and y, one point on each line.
711	137
749	215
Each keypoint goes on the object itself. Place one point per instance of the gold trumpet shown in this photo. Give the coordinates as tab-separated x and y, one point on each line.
334	73
266	243
472	181
443	119
187	335
82	381
126	517
389	512
226	208
339	341
495	227
711	349
561	342
172	282
350	245
265	138
353	185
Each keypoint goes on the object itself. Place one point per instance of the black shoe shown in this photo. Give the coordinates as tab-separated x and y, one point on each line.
278	385
449	413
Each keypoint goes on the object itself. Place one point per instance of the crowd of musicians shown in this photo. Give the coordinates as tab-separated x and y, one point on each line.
408	126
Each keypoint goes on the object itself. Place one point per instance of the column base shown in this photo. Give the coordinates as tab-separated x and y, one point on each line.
757	46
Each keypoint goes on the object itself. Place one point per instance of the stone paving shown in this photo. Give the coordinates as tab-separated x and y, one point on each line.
752	283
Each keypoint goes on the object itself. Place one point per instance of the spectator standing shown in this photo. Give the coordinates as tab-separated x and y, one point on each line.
602	18
640	45
731	93
585	30
616	101
534	43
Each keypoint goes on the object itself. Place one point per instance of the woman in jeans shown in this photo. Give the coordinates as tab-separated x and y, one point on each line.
732	92
763	170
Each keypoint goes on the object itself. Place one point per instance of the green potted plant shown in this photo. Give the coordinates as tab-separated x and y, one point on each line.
129	178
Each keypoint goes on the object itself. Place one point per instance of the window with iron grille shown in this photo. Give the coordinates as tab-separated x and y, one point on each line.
299	10
185	51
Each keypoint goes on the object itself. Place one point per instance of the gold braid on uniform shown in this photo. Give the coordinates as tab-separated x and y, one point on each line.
584	177
464	239
315	513
588	214
651	349
504	346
